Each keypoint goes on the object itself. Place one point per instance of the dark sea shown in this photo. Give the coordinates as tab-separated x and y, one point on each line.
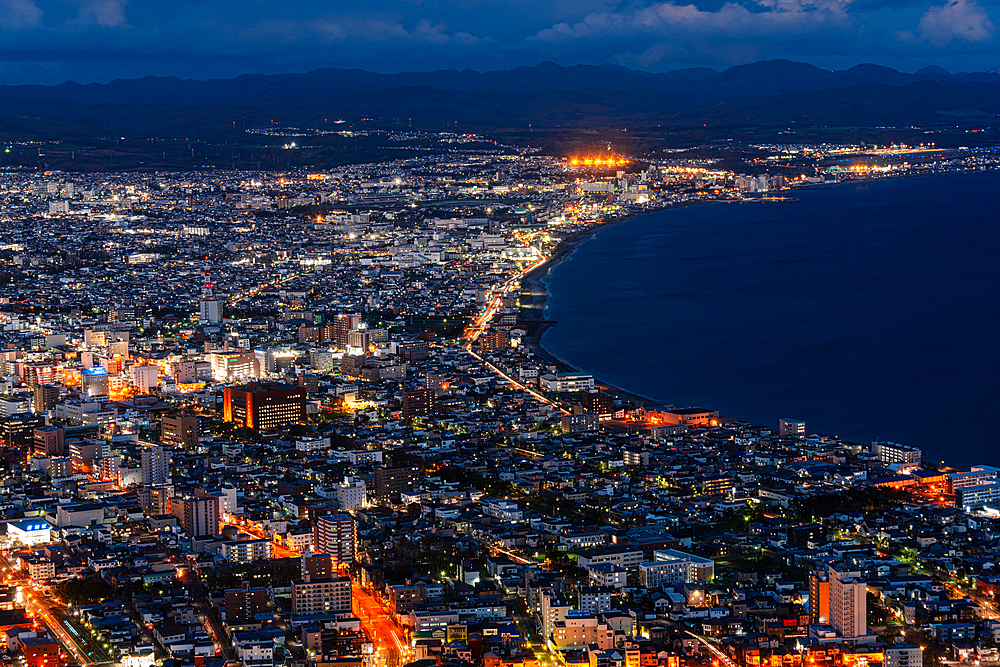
866	310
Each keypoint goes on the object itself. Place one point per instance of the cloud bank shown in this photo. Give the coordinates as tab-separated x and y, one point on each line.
47	41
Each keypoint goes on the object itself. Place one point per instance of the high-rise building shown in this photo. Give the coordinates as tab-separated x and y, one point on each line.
14	405
358	342
351	494
145	378
39	651
85	452
60	466
49	441
234	366
94	381
198	516
317	566
338	328
18	431
413	351
260	406
209	311
599	404
243	604
554	609
336	535
419	403
185	372
493	340
848	602
331	595
819	597
310	334
179	430
155	465
44	397
39	372
155	500
390	482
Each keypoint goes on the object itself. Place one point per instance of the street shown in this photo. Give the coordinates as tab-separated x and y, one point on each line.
389	640
38	606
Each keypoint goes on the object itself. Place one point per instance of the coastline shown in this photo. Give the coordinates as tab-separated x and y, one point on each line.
533	295
533	292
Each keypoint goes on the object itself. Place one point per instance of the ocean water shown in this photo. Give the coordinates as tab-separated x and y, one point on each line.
866	310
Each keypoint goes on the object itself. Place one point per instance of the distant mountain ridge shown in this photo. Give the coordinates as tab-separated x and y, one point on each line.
766	92
780	75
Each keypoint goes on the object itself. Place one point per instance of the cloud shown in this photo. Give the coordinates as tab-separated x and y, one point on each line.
735	32
962	20
105	13
732	18
329	30
85	40
435	33
19	14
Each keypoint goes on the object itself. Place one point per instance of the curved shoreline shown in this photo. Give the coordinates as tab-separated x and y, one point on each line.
534	291
534	294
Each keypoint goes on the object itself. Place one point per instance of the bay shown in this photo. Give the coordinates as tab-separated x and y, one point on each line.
867	310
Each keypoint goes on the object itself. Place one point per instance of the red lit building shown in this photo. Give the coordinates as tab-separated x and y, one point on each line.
264	406
686	417
39	651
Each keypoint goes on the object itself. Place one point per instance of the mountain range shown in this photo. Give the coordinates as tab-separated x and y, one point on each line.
767	93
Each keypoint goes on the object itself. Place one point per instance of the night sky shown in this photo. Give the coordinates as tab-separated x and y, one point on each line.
50	41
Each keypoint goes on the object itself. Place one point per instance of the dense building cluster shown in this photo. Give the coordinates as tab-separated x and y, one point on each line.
303	419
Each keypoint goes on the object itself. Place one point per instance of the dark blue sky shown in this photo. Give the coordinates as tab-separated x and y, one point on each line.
49	41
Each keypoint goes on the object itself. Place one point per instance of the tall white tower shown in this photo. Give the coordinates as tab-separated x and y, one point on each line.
210	308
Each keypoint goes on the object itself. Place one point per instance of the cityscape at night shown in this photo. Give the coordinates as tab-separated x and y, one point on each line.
677	354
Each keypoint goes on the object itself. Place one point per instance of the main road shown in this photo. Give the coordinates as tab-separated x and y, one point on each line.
37	605
719	658
390	642
386	635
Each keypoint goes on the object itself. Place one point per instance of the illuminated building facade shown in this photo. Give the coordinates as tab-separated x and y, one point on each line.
179	430
94	381
419	403
321	596
260	407
44	397
49	441
18	431
197	516
848	603
335	534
